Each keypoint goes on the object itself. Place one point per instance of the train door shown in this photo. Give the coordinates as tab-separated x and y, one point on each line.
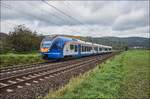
79	49
66	50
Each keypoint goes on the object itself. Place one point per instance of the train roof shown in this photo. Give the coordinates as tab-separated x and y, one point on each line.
53	37
107	46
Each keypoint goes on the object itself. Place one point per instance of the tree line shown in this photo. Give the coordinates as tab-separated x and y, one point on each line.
21	39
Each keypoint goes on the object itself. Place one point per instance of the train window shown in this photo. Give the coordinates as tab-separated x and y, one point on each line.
83	48
76	48
46	44
71	47
87	48
96	48
100	49
90	48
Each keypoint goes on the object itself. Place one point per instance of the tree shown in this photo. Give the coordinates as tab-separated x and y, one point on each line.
23	39
4	45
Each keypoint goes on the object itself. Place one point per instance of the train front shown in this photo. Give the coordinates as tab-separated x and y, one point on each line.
52	48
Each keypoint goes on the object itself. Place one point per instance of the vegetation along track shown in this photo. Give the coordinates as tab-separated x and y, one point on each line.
9	84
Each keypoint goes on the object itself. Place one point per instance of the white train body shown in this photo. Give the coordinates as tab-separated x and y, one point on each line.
61	47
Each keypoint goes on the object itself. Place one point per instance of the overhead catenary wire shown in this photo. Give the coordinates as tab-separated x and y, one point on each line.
68	3
10	23
69	16
51	14
58	17
29	15
25	13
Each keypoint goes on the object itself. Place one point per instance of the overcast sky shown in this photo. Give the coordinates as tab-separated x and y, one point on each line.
85	18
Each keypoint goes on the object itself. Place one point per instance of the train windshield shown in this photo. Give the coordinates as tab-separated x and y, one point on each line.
46	42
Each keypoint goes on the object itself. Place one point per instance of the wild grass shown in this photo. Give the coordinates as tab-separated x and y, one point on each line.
136	82
16	59
125	76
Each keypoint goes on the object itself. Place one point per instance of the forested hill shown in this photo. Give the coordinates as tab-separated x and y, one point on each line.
137	41
118	42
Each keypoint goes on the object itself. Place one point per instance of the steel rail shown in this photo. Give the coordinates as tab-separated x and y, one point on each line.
51	72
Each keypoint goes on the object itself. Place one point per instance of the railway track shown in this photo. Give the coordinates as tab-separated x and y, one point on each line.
9	84
28	78
21	67
15	71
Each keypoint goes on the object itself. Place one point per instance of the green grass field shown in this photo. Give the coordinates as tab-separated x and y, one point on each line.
16	59
125	76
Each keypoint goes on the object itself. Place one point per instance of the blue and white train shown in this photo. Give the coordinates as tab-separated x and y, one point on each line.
59	47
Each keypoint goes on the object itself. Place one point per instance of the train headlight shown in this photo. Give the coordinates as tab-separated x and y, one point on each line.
44	49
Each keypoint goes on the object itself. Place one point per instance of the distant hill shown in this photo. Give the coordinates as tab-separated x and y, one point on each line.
115	42
118	42
137	41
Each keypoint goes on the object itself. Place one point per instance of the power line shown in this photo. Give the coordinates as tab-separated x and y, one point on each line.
60	18
9	23
71	17
52	14
28	14
25	13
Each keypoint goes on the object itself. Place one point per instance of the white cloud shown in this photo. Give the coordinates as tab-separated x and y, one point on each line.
131	20
99	18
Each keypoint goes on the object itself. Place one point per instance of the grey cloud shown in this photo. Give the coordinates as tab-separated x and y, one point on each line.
134	19
28	10
110	17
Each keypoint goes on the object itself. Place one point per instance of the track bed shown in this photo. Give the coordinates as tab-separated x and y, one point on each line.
37	81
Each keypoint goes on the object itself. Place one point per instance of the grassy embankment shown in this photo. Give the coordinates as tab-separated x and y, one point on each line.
16	59
125	76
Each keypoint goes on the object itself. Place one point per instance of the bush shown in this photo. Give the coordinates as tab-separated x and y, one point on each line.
22	39
14	59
